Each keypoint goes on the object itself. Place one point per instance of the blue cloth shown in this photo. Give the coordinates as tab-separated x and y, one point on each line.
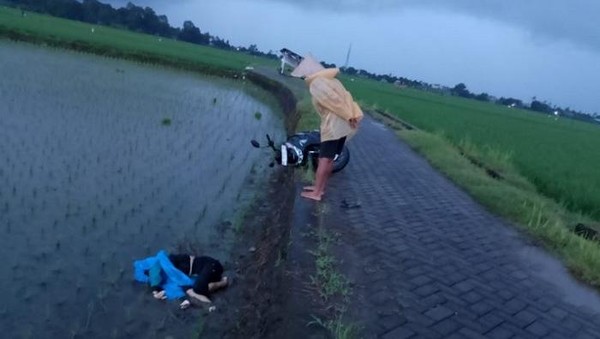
175	279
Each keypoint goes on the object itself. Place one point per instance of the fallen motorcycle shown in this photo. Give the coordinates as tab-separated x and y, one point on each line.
301	148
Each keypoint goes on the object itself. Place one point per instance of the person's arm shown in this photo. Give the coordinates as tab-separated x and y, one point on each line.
190	292
330	95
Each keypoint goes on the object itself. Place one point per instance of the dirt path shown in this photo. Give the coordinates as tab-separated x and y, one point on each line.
429	262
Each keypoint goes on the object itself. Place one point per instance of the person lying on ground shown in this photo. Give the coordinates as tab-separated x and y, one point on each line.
174	276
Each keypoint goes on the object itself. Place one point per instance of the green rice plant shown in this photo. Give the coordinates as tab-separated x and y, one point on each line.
327	279
258	115
26	331
57	271
338	328
558	157
166	122
75	331
90	311
199	328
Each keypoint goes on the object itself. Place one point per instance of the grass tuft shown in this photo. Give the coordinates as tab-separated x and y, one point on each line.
338	328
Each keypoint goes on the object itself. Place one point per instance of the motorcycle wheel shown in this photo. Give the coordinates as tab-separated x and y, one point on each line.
338	164
342	160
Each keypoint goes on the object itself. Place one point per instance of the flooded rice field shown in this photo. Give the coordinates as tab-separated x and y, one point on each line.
103	162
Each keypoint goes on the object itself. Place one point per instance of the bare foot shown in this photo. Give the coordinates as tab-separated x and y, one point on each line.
311	195
185	304
159	295
311	188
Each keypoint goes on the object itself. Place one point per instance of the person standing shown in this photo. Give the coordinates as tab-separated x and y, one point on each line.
339	113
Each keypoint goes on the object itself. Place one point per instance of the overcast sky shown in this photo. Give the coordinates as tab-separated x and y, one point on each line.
544	48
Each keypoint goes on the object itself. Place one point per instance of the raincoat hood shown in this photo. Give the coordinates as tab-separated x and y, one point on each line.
332	101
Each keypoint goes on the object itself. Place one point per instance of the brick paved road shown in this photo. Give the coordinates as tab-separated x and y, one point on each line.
429	262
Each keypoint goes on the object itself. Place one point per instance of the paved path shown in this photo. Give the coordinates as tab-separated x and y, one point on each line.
429	262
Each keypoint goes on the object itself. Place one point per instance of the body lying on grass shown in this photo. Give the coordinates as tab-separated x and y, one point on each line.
177	275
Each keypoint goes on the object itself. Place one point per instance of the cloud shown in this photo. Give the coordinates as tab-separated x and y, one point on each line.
573	20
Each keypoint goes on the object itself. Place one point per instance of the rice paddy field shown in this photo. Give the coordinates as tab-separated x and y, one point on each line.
103	162
561	157
102	39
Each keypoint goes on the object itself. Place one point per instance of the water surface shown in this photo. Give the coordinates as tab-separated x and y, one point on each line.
93	176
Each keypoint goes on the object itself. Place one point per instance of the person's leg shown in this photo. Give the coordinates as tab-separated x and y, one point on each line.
213	286
323	172
328	151
217	280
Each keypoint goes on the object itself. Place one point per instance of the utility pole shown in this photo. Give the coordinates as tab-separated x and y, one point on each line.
348	56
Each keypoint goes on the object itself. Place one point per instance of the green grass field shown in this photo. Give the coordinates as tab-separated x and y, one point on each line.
45	28
561	157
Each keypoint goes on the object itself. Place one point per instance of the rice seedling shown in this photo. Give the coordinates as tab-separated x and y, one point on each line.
57	271
258	115
90	311
130	199
75	331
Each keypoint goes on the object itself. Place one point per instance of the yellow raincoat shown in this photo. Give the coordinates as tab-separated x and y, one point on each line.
333	103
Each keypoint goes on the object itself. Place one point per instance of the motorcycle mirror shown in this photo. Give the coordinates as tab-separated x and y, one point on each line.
255	143
271	142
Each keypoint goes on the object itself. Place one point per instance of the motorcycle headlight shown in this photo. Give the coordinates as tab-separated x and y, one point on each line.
284	155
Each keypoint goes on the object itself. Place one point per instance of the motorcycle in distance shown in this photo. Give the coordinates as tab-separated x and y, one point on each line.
301	148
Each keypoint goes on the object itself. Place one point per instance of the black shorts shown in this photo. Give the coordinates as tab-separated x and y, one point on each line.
331	148
206	270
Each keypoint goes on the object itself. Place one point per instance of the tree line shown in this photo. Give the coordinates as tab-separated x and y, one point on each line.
536	105
130	17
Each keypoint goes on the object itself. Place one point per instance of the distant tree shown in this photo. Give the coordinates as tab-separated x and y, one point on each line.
510	102
461	91
350	70
542	107
191	33
327	65
253	50
482	97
